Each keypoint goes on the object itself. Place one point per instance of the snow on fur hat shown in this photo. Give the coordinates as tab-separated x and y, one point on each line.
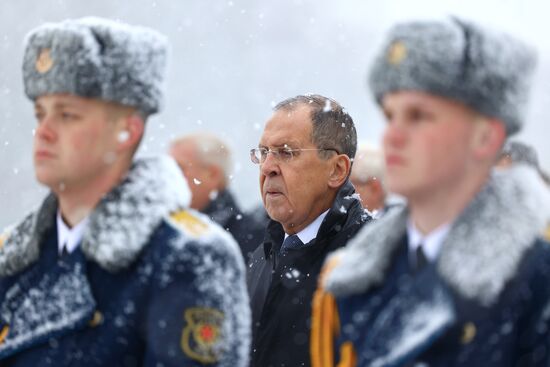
488	71
97	58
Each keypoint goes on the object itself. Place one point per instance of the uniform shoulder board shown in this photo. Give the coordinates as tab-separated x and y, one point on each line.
189	222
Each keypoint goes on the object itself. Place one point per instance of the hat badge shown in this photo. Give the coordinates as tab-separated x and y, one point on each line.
397	53
44	61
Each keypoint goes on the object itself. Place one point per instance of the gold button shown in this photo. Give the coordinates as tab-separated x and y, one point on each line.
97	319
468	333
4	333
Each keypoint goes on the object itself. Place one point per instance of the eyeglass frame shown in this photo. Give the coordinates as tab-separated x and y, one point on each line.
277	153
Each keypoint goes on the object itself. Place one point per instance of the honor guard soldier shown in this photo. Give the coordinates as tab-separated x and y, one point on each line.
460	276
106	271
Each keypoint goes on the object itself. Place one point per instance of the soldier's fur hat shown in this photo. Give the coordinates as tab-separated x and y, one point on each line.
488	71
97	58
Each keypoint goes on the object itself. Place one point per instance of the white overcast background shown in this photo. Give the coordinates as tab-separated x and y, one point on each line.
232	60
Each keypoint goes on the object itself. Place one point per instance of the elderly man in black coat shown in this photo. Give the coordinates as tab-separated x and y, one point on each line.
305	156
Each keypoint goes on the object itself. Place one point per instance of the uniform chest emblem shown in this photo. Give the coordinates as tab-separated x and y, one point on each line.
44	61
201	338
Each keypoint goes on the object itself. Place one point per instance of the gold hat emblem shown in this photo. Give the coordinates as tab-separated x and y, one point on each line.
44	61
397	53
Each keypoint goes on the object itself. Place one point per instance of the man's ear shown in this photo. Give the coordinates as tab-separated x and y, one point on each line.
489	135
130	132
340	171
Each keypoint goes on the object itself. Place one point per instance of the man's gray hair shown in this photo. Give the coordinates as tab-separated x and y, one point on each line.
368	164
333	127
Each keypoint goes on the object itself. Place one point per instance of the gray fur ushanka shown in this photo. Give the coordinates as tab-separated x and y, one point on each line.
488	71
97	58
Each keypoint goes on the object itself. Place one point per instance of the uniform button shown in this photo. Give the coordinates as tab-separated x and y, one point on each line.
97	319
468	333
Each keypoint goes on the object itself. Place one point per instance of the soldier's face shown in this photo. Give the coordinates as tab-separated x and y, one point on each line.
428	143
74	143
293	192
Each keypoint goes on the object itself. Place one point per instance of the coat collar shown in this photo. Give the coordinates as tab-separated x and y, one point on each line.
343	210
481	253
120	225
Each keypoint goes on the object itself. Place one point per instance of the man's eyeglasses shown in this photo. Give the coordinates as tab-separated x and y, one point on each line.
283	154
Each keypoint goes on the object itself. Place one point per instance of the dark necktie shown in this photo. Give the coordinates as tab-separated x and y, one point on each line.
292	242
421	259
64	252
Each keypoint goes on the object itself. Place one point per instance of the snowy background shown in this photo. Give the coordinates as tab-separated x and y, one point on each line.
232	60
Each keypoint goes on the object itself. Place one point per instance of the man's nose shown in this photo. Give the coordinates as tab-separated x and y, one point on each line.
270	166
45	131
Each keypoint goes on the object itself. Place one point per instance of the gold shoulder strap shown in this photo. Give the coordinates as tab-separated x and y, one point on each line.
325	326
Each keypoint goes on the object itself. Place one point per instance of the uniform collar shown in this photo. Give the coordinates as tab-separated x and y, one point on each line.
310	232
481	252
119	227
69	238
431	242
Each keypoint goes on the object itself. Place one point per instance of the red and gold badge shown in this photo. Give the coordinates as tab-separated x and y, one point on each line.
201	336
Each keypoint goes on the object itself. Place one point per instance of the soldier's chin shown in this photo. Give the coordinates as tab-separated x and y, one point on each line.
47	179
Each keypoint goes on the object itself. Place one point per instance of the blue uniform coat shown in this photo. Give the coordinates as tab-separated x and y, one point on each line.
484	302
143	288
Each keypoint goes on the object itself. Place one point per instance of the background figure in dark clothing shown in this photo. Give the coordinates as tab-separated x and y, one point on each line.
206	162
305	157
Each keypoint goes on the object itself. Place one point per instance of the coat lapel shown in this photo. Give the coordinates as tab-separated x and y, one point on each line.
45	304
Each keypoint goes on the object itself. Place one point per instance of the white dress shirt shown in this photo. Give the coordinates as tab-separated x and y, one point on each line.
69	237
310	232
431	243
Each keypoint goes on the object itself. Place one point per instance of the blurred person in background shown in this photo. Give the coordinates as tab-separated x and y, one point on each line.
206	163
367	176
458	277
109	270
